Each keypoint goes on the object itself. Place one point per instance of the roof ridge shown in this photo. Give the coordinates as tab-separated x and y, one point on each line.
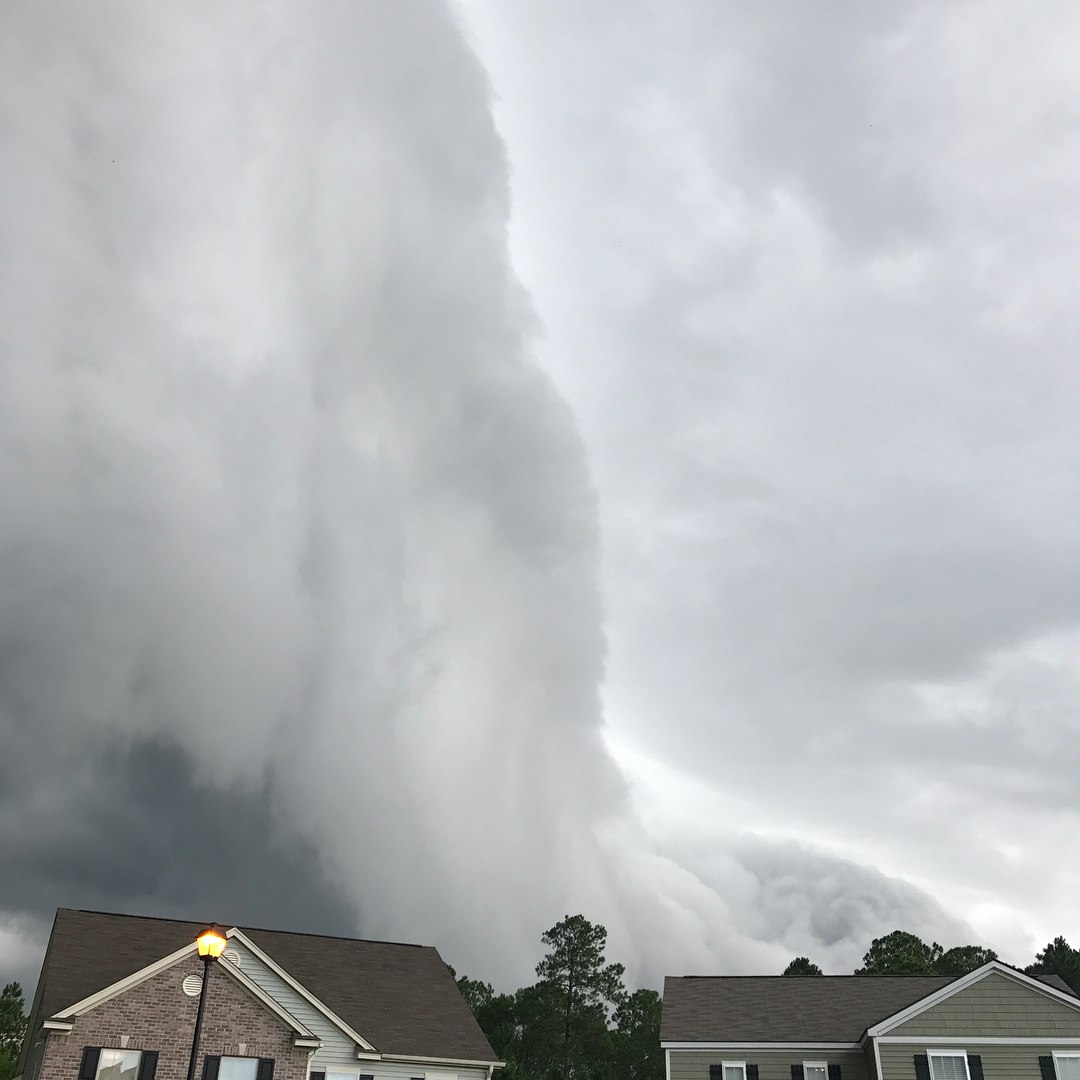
804	978
244	926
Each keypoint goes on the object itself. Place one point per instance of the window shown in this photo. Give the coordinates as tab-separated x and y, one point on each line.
238	1068
1067	1066
948	1065
119	1064
734	1070
815	1070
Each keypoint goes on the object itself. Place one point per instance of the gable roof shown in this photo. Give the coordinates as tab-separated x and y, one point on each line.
1040	985
775	1008
811	1009
401	998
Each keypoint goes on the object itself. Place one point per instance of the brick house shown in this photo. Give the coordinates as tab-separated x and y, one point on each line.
118	995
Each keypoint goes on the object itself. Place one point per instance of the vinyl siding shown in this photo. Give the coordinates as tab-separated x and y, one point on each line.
996	1005
772	1064
998	1062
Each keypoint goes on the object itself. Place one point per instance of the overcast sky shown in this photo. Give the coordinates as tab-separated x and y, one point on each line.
483	462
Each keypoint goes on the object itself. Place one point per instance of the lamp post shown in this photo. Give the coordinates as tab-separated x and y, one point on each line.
210	942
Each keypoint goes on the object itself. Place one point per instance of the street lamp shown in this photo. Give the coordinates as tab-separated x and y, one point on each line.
210	943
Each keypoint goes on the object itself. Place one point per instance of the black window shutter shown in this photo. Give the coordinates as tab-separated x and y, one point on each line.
797	1072
714	1072
975	1066
922	1067
210	1066
751	1072
266	1069
148	1065
318	1076
835	1073
366	1076
1046	1067
90	1058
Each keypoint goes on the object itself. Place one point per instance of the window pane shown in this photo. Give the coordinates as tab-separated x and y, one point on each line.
734	1072
119	1064
814	1072
341	1076
234	1068
948	1067
1068	1068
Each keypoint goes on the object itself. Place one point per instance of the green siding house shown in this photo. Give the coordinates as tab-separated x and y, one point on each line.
993	1024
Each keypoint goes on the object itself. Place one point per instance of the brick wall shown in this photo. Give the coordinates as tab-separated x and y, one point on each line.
158	1015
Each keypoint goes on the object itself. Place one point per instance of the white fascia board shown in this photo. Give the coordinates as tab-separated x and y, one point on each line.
443	1060
758	1046
962	983
302	990
63	1026
980	1040
278	1010
123	984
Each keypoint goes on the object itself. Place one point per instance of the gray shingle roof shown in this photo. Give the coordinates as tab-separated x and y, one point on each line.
772	1008
401	998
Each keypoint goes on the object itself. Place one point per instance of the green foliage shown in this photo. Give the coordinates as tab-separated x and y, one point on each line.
12	1029
477	994
900	953
1061	959
579	980
963	958
802	965
637	1037
577	1021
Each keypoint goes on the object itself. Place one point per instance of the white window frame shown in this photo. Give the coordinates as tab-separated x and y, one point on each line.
815	1065
1064	1054
725	1065
951	1052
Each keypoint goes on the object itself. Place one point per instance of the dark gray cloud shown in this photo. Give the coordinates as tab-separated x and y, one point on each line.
301	544
287	511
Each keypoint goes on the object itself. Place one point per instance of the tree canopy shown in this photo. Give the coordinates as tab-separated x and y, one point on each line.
1061	959
577	1021
802	965
12	1029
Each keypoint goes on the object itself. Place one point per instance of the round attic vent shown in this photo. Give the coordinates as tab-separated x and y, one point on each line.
232	956
192	985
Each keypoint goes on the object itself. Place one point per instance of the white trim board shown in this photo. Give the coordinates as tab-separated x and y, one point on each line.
304	1034
963	983
759	1046
977	1040
306	994
125	983
443	1061
129	982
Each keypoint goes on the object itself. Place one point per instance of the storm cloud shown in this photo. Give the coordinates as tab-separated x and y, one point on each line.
706	587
